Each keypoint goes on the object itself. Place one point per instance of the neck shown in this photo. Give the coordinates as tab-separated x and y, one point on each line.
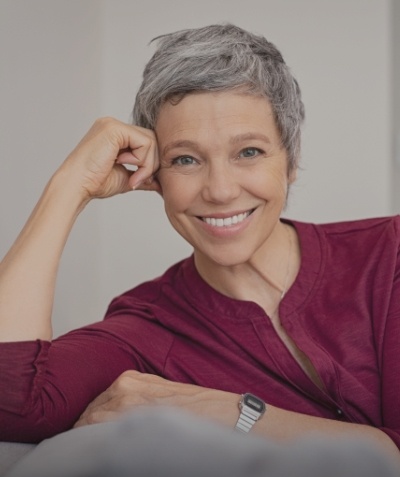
264	278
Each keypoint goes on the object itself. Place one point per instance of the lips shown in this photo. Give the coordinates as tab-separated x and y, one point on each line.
227	221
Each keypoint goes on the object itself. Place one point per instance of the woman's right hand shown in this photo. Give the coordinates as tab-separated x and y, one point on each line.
97	164
95	168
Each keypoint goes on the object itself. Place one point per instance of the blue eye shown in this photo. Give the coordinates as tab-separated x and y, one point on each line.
250	152
183	161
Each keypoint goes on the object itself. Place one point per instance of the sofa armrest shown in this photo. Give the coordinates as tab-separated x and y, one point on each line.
11	453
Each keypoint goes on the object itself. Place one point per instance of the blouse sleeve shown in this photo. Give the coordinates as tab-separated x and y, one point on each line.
390	355
391	379
46	386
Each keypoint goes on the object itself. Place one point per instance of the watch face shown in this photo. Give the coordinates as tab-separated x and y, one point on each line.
254	402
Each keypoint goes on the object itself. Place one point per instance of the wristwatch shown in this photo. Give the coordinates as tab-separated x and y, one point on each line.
251	409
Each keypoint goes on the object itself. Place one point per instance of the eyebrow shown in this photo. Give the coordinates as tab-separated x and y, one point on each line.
233	140
179	144
248	137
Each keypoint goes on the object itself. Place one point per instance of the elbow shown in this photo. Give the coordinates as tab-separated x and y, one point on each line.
30	428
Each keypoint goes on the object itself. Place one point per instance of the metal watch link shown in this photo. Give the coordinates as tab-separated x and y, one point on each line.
251	409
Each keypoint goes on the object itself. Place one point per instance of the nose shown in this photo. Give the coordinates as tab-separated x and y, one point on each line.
221	184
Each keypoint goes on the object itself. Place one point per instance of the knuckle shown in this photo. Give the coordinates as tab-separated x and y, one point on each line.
110	128
129	373
125	380
105	121
122	383
146	132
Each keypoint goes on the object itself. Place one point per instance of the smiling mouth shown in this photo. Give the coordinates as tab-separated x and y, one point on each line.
227	221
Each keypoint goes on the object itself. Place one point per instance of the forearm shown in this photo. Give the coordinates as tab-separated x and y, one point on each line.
133	389
281	425
28	271
95	169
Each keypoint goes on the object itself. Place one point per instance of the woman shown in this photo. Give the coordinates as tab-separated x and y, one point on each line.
305	318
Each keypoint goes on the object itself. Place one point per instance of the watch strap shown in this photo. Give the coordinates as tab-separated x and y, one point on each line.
249	414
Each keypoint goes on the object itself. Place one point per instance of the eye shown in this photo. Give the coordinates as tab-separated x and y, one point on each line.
250	152
183	161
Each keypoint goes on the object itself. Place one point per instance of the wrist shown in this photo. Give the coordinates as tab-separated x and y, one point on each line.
65	186
252	408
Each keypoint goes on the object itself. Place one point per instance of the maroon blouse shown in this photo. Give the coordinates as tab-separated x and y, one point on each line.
343	312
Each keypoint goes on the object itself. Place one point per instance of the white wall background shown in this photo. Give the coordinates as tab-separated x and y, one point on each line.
65	62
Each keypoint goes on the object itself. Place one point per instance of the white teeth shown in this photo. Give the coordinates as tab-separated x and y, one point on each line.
235	219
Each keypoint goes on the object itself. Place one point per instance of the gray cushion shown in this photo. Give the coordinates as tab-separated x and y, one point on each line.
12	452
167	442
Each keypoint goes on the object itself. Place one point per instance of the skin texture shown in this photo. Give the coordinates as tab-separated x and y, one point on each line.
224	160
231	162
93	170
211	155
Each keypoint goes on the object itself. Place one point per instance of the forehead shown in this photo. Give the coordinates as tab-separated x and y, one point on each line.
216	113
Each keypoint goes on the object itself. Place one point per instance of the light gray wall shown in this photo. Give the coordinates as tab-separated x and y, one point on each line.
51	62
64	62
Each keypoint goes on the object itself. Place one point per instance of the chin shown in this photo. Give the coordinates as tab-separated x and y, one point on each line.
225	258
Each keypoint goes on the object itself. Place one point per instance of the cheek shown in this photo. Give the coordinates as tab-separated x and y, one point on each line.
270	185
178	192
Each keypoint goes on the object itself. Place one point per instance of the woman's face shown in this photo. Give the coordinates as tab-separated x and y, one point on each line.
223	173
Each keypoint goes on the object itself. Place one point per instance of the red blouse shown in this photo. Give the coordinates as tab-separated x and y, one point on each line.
343	312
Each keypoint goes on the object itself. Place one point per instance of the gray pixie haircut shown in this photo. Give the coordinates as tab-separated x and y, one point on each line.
218	58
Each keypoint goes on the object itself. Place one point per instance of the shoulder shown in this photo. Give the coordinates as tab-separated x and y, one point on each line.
351	226
366	238
363	226
359	232
352	247
148	292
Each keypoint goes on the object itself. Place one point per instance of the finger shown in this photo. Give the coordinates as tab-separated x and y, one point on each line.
128	158
97	418
94	408
144	167
151	184
148	165
129	144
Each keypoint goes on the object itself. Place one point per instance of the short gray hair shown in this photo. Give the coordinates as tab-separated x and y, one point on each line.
218	58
